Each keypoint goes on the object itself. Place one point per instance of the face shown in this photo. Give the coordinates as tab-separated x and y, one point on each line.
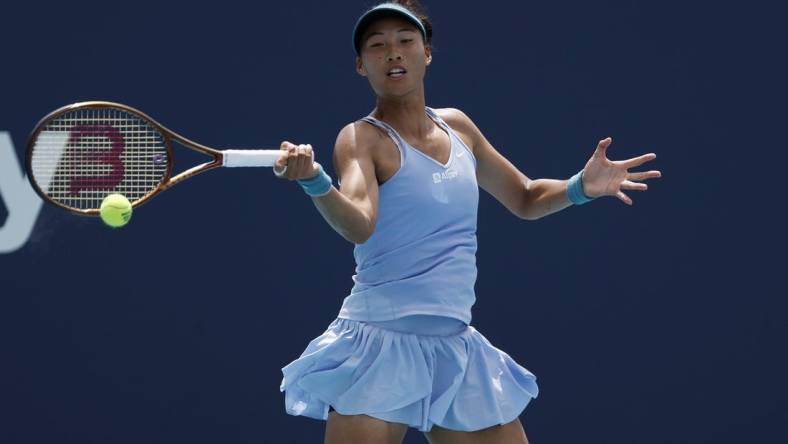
393	57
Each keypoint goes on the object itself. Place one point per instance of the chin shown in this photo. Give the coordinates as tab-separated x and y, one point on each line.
396	92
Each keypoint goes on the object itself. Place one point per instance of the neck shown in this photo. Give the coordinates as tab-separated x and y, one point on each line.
405	114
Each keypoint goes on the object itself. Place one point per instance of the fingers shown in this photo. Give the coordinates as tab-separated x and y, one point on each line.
644	175
305	157
640	160
296	161
637	186
280	166
601	150
303	161
624	198
601	147
628	185
292	162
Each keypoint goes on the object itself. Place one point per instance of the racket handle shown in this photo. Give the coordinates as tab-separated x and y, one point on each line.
250	158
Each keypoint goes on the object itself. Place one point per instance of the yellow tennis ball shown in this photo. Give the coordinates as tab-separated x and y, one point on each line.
115	210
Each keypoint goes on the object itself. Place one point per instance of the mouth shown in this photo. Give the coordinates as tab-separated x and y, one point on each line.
397	72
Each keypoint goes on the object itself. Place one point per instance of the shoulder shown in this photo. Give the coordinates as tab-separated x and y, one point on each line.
359	136
461	124
453	115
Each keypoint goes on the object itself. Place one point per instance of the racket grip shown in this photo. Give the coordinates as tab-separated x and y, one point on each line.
250	158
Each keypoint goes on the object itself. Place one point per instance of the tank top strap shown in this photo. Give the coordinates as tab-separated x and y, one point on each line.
398	140
452	134
437	119
395	135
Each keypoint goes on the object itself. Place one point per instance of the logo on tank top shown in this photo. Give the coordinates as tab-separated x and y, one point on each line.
446	175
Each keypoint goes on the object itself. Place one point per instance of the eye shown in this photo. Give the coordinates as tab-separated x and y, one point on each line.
407	40
375	45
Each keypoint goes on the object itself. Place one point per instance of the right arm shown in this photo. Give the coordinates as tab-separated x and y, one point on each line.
352	209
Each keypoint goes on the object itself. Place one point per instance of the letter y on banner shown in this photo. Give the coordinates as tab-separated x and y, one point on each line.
22	203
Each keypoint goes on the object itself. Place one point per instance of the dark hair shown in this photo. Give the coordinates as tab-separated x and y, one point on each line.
417	9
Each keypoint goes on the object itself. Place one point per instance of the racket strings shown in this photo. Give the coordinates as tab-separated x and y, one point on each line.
83	155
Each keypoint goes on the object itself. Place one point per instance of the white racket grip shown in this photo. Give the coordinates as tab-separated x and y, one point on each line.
251	158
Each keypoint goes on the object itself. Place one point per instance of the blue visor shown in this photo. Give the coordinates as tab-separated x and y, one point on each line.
384	10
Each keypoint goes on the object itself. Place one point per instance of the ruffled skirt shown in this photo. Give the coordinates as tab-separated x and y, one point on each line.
457	381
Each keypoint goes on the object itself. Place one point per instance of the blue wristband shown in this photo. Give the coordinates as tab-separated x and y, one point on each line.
574	190
317	186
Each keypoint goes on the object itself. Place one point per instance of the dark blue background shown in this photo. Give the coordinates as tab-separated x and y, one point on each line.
664	322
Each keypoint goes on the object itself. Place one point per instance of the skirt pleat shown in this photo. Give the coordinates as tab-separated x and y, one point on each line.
459	382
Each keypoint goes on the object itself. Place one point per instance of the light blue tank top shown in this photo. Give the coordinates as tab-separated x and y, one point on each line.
421	258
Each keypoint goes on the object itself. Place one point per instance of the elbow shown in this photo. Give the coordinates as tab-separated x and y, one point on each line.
360	235
527	215
527	208
358	238
530	208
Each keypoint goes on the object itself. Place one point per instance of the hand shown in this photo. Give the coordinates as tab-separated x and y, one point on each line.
296	162
603	177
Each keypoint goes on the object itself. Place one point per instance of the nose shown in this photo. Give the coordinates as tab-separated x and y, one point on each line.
394	57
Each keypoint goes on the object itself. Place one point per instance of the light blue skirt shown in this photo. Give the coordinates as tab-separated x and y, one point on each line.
420	373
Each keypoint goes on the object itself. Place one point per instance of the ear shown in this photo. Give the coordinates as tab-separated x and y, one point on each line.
428	53
360	69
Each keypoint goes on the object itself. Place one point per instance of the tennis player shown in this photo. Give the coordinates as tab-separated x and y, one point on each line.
401	353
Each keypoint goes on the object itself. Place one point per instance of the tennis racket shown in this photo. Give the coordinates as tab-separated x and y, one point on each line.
79	154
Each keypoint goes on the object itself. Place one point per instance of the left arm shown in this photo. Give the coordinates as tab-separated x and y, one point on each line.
533	199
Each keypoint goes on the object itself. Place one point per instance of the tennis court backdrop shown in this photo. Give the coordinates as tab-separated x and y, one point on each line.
664	322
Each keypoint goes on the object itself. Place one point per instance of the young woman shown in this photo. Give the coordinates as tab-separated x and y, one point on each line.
401	353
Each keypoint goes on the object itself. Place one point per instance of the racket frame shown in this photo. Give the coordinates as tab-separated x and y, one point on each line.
167	135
